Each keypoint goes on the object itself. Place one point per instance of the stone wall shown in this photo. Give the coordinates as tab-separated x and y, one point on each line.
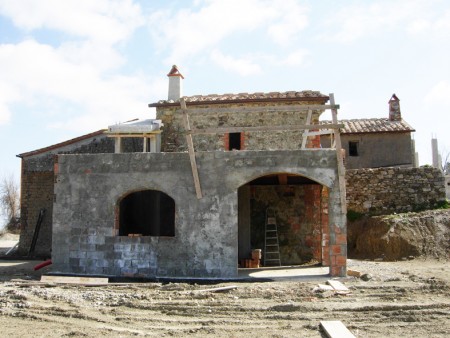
173	139
298	213
88	188
37	181
394	190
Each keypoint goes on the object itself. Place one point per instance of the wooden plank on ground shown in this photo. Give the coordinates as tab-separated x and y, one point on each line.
335	329
338	286
221	289
75	280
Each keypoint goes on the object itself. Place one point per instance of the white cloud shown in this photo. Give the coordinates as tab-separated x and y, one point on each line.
439	94
100	20
244	66
47	79
295	58
189	32
368	19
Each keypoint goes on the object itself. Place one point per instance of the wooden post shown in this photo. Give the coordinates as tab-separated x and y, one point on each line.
191	150
340	160
306	132
118	145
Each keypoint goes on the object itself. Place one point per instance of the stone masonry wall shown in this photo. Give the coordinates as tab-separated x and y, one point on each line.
297	209
394	190
37	181
173	139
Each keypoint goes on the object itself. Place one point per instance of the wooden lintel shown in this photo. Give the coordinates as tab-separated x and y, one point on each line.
282	179
190	143
263	128
133	134
283	108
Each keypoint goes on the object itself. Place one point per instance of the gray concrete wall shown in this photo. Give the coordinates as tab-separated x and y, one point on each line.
377	150
206	231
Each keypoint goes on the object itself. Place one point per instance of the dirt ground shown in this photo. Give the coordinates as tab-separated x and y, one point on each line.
400	299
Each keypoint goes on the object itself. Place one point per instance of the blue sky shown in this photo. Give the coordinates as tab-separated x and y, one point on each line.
74	66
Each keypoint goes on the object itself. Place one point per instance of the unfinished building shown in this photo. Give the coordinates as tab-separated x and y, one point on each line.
209	177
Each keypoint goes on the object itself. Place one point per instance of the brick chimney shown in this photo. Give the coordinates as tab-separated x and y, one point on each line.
394	109
175	84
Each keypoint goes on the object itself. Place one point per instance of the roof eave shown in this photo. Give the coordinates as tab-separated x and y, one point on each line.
321	99
62	144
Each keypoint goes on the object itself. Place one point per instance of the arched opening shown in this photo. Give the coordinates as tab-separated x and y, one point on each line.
147	213
285	215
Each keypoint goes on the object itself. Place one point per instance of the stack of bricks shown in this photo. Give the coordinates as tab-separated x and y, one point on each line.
338	251
254	262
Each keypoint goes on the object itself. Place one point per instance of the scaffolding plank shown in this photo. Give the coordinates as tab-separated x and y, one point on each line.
263	128
190	143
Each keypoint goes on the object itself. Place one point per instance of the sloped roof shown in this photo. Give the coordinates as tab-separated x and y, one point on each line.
305	95
373	125
63	144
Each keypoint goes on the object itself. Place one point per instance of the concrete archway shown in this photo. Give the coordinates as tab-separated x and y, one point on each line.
298	205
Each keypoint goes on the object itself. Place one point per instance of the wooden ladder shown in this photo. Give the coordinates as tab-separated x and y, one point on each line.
271	245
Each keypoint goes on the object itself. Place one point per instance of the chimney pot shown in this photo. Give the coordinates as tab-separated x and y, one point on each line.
175	84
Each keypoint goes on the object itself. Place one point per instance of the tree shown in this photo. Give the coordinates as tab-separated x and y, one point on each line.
9	202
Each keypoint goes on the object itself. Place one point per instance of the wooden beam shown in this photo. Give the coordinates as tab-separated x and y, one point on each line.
335	329
340	160
282	179
321	132
305	135
190	143
283	108
262	128
74	280
137	135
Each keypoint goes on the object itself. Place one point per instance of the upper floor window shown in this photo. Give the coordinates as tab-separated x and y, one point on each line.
353	148
234	141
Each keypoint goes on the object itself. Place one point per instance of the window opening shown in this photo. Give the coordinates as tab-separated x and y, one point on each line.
234	141
353	148
147	213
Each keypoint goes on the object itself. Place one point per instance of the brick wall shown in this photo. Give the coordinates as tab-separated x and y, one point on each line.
388	190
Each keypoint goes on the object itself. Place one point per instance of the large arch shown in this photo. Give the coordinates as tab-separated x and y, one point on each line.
299	207
145	213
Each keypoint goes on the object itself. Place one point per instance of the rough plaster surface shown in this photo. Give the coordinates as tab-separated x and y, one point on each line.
88	188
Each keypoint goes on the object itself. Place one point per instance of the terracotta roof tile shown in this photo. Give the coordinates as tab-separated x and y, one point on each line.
218	98
374	125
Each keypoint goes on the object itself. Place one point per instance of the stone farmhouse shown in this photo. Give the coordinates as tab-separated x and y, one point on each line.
366	141
192	192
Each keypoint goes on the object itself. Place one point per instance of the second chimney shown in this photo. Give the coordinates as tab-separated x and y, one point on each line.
175	84
394	109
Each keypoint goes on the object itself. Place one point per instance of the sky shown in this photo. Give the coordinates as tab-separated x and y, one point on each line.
71	67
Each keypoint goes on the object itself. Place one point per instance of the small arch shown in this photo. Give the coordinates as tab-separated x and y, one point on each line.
146	213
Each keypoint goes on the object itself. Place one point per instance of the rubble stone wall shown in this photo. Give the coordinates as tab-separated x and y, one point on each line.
173	138
394	190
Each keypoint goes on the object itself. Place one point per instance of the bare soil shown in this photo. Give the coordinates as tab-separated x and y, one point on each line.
400	299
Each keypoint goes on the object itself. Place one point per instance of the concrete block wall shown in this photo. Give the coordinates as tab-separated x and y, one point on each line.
206	231
388	190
